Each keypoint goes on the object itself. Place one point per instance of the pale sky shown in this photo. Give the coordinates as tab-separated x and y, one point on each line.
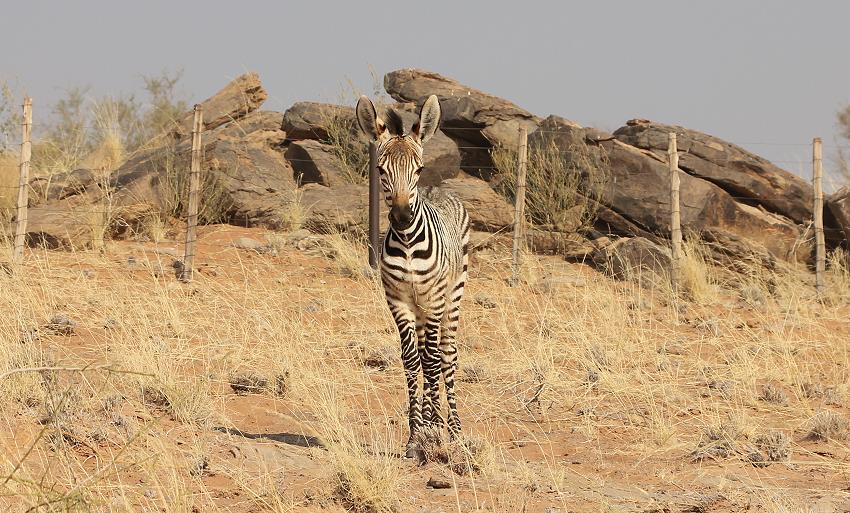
769	76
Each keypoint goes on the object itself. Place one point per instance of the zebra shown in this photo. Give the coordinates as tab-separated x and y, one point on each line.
423	264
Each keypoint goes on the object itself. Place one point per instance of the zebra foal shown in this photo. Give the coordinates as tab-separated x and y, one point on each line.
423	263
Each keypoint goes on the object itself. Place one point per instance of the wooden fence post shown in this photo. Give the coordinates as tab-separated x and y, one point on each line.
519	207
374	206
675	217
820	246
23	183
194	196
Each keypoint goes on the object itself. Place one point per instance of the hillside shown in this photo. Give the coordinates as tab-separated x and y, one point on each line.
272	383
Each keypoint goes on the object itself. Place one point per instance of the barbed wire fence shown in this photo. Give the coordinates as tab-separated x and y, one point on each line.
92	219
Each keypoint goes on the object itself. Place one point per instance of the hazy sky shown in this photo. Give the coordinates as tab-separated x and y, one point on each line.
750	72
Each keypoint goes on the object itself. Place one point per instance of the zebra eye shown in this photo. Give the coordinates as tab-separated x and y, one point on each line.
418	171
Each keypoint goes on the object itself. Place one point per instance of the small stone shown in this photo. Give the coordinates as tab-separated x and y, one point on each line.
484	301
61	324
247	243
438	484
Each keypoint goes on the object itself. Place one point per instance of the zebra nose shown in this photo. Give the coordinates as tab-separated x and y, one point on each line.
401	216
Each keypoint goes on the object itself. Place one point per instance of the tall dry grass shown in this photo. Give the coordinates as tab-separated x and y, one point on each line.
562	377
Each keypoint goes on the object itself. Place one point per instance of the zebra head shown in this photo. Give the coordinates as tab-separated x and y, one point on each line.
399	154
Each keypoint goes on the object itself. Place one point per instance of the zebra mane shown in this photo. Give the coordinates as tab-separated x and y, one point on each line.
394	123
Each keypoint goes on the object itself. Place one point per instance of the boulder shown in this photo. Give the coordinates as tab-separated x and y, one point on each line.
314	162
344	208
488	210
635	258
476	119
742	174
63	225
257	121
495	120
236	100
639	191
571	246
310	120
61	185
729	251
253	177
838	204
245	177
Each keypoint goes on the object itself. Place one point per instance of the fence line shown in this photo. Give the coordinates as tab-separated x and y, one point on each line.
23	183
675	228
519	208
817	208
194	195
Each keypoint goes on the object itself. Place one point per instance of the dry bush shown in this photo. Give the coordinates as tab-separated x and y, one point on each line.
365	473
720	441
9	174
346	146
697	274
174	169
769	448
828	425
563	186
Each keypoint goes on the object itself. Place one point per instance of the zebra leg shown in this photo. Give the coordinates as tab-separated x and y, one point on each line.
406	323
431	363
448	356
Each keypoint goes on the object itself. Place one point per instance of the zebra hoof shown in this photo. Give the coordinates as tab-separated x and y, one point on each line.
414	451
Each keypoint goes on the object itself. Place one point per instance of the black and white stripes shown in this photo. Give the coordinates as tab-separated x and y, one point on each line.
423	264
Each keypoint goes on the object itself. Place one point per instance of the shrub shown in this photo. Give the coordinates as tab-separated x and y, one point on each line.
563	186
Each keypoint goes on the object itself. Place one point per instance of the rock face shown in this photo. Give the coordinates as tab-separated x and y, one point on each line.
636	259
487	209
639	190
474	118
314	162
310	120
60	227
342	208
737	171
839	205
236	100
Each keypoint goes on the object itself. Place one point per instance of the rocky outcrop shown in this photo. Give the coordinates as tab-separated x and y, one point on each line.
311	121
314	162
635	259
61	226
236	100
488	210
344	208
743	175
838	204
476	119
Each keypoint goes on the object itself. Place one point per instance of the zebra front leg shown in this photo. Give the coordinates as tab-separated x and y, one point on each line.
448	357
406	323
431	410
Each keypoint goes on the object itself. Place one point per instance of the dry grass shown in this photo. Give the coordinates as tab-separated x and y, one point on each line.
560	181
9	173
559	385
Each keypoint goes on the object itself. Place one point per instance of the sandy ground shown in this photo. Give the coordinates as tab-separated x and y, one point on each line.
577	393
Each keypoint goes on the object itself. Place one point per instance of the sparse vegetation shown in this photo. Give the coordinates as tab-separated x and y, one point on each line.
563	184
258	374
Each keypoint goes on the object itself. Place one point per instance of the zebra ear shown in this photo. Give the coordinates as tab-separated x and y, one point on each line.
367	118
429	119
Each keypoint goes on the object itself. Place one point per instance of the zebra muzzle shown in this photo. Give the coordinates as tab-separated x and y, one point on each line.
401	216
